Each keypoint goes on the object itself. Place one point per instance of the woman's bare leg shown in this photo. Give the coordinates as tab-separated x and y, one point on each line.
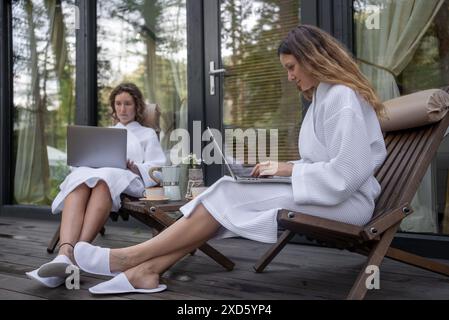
72	218
97	211
146	275
181	235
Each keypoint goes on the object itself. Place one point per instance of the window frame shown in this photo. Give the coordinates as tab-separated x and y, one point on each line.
86	105
6	110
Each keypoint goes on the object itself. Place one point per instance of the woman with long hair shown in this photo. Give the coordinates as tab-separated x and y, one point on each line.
340	145
88	195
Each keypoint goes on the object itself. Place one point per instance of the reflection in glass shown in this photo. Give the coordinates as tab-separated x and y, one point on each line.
44	103
408	51
256	91
145	42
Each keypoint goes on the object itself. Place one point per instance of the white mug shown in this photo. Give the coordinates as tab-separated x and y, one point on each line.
170	175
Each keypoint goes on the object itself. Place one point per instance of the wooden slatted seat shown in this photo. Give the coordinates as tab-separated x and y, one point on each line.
409	155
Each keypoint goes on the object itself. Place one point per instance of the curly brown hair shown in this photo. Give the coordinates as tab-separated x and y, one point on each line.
137	95
328	61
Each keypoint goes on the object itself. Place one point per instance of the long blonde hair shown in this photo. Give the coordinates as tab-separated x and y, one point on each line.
328	61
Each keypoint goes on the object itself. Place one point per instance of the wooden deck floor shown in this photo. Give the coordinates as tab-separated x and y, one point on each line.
299	272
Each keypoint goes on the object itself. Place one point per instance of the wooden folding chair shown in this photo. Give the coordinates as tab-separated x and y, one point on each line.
410	152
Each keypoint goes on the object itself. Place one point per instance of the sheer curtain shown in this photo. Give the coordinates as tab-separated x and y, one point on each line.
43	97
383	54
31	179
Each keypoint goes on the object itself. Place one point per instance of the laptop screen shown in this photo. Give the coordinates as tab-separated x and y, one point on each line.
221	153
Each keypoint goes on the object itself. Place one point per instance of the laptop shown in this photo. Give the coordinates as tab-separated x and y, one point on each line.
248	179
96	147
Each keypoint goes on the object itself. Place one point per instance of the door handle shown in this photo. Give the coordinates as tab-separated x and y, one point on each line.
212	73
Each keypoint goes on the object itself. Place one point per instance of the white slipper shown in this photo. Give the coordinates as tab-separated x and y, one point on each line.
55	268
93	259
50	282
120	284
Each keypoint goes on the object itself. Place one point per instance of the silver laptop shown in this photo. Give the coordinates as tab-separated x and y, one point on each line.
96	147
248	179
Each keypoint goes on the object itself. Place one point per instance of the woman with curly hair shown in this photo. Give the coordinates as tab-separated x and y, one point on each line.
88	195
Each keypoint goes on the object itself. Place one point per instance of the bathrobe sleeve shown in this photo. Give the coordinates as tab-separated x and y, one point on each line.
153	157
350	165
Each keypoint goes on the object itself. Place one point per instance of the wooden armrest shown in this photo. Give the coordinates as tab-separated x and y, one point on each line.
380	224
305	222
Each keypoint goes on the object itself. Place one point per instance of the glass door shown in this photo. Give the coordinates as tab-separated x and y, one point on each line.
246	87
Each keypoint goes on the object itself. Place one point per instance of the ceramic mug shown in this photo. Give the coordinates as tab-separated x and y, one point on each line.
169	180
170	175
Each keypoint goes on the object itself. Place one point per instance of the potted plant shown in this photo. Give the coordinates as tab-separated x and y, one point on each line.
195	175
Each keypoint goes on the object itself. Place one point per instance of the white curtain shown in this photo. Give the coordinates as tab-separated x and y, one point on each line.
31	177
383	53
34	173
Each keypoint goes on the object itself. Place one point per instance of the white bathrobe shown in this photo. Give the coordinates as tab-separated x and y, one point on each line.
143	148
340	145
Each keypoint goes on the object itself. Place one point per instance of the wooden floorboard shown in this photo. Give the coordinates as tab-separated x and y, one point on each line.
298	272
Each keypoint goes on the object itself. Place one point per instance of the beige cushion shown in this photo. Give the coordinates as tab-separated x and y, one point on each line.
415	110
152	115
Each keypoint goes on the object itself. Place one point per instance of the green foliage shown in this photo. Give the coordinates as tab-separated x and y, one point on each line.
57	175
256	95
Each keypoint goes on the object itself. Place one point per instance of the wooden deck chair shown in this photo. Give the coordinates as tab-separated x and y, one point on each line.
152	115
410	152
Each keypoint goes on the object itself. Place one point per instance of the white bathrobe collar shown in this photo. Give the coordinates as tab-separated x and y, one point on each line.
131	125
321	90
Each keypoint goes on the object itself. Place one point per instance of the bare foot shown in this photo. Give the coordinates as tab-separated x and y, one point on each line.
142	280
67	251
119	260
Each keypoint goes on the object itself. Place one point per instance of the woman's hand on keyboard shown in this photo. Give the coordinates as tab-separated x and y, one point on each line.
272	168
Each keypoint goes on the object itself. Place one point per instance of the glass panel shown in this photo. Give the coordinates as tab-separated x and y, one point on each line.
403	47
145	42
256	91
44	96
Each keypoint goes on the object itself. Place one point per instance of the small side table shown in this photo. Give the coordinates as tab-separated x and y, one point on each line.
161	215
